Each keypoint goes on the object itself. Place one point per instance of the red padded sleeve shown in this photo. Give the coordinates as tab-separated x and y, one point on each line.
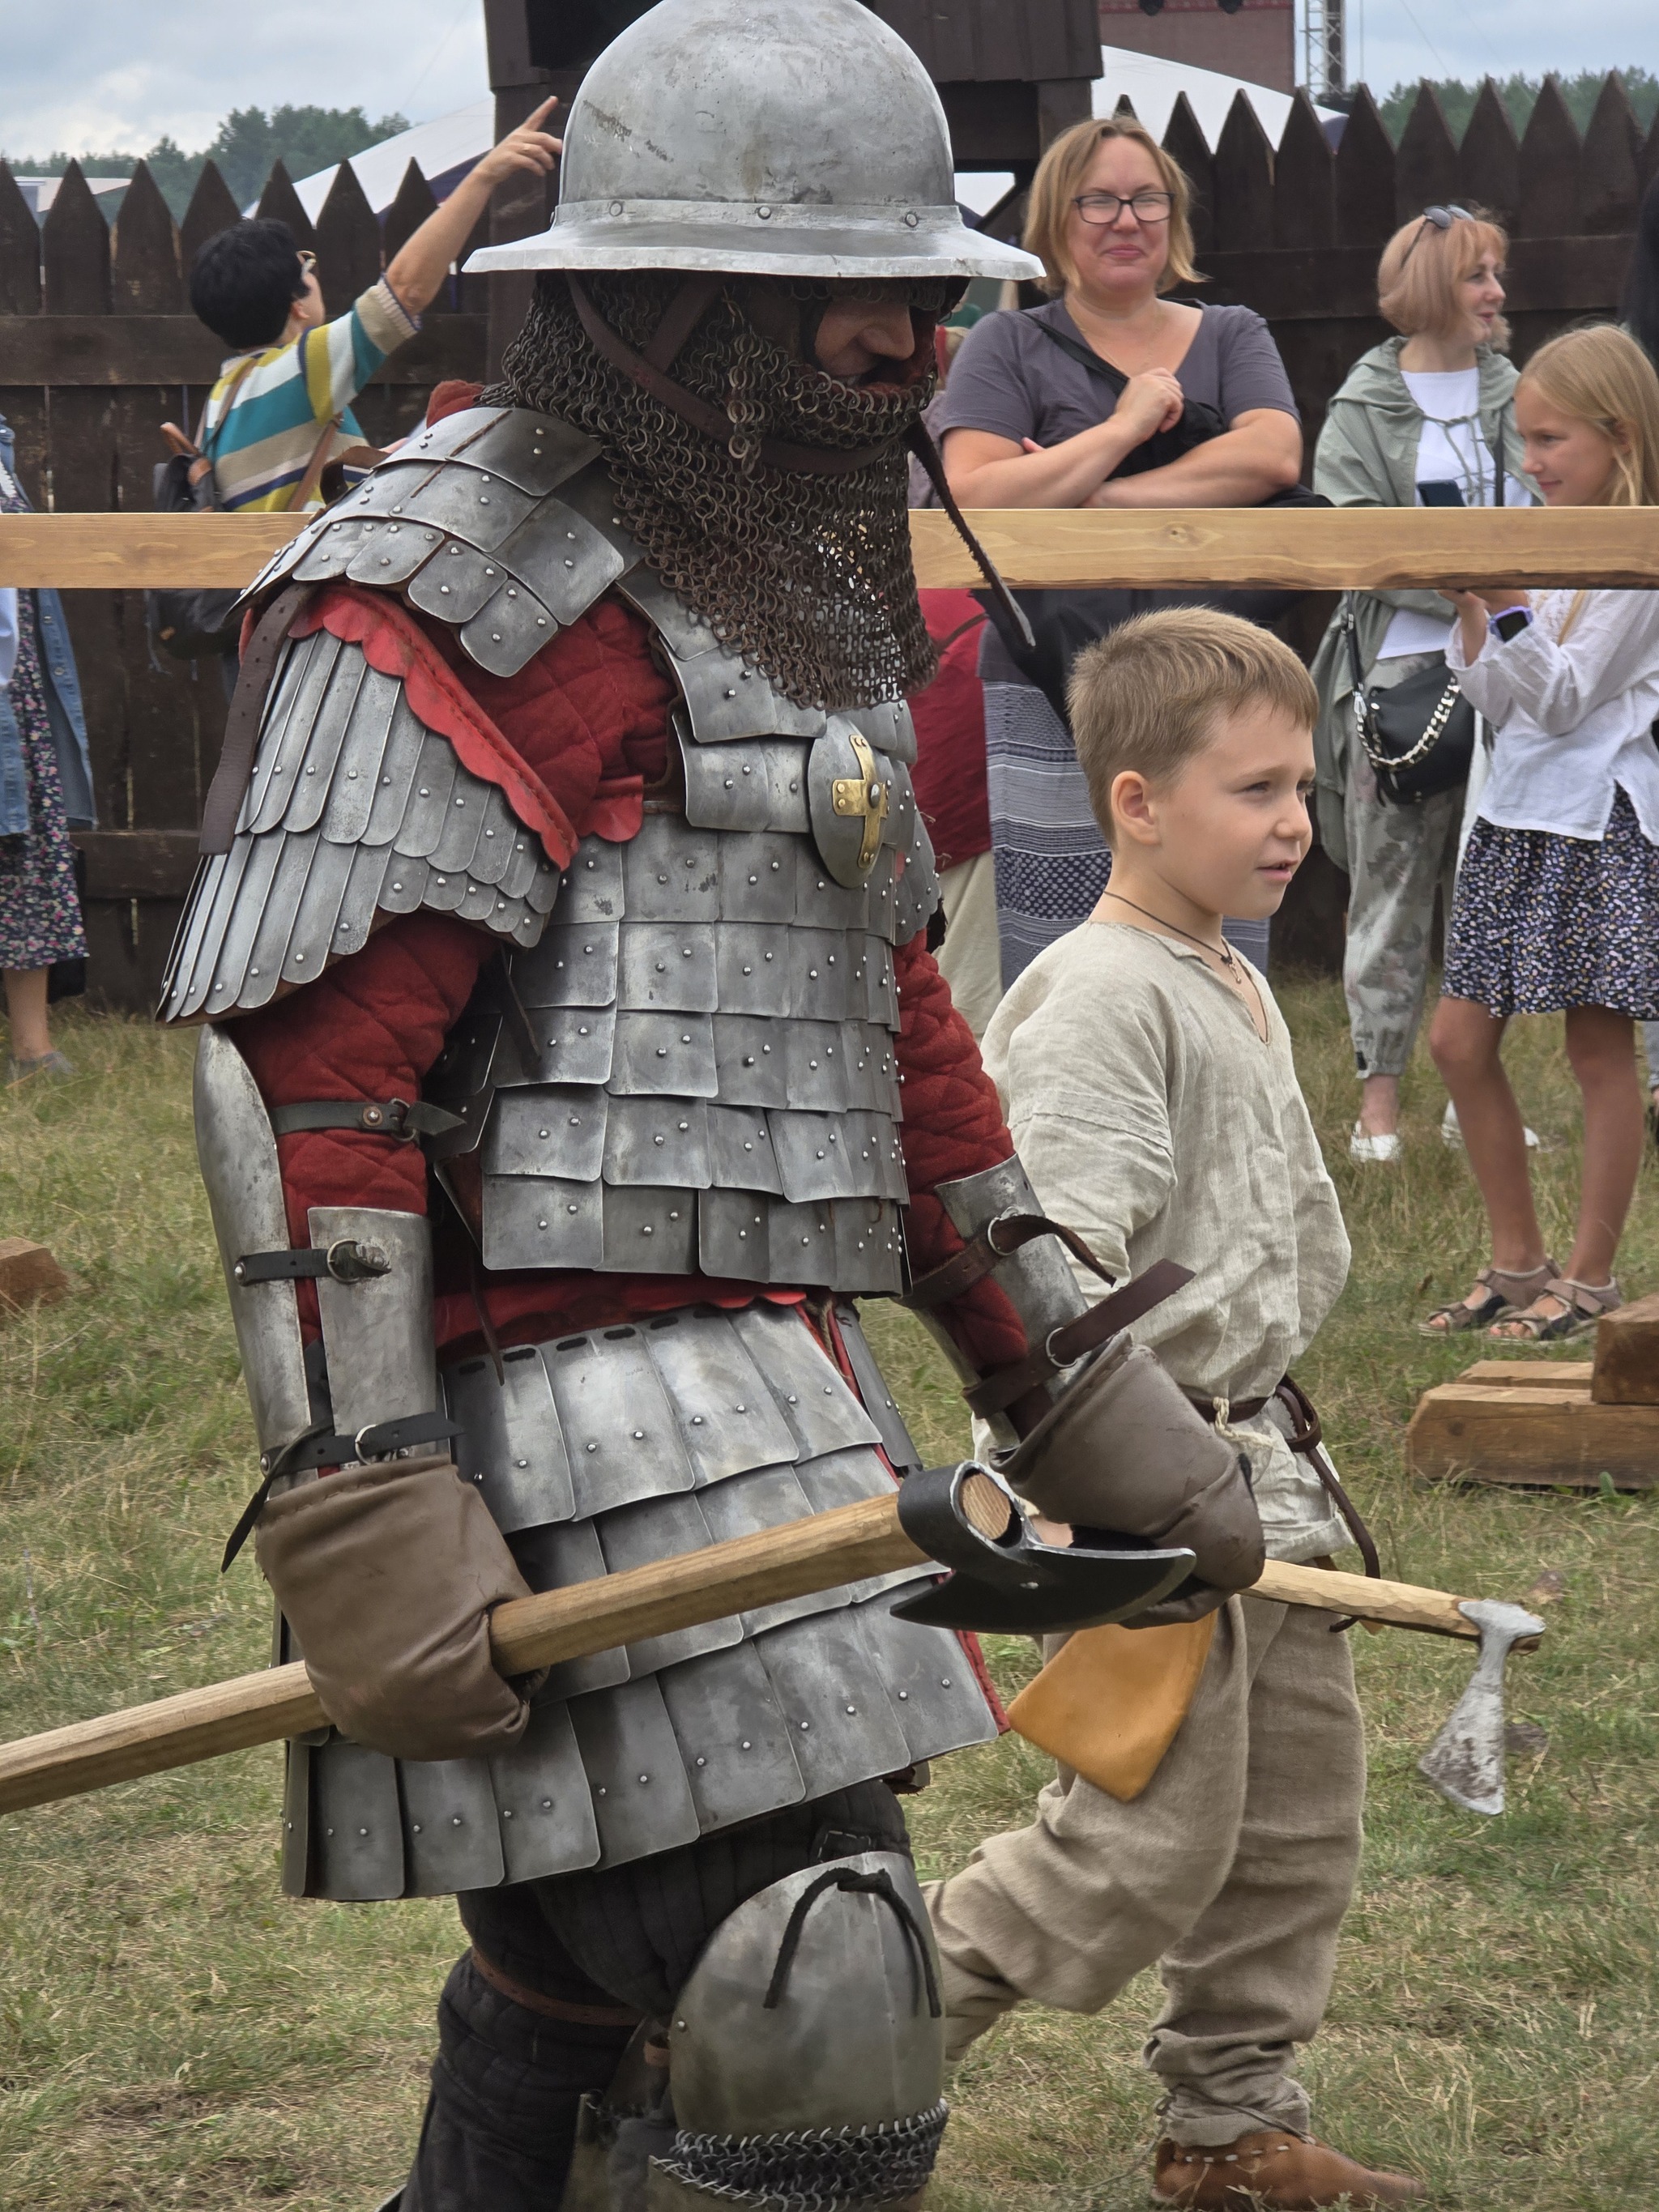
588	717
952	1127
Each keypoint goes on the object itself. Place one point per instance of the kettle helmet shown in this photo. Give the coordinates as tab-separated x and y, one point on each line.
794	139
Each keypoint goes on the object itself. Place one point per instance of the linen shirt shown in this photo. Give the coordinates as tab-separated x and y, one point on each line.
1572	723
1152	1119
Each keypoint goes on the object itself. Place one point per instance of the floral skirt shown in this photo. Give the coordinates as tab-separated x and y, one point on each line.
1540	923
40	912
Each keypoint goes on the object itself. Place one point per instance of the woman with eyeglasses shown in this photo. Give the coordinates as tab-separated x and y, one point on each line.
1425	418
1080	403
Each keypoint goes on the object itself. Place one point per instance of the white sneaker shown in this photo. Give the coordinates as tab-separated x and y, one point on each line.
1451	1135
1365	1148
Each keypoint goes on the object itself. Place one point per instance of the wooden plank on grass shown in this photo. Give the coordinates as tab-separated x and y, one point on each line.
1626	1370
1513	1373
1485	1432
28	1275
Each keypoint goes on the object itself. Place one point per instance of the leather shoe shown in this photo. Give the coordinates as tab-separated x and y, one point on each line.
1271	2167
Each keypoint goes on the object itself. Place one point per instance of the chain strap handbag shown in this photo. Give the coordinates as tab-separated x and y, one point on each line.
1418	734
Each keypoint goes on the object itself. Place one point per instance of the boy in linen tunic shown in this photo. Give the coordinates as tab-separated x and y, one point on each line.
1150	1090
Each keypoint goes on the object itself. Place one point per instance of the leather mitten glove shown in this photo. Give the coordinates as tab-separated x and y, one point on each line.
387	1573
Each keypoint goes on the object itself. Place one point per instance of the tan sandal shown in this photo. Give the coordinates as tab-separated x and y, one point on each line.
1583	1305
1461	1317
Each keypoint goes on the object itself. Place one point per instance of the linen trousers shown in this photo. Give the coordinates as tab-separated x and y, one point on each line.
1231	1871
1397	856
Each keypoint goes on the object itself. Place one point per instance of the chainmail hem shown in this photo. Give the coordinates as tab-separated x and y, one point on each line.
809	578
815	2170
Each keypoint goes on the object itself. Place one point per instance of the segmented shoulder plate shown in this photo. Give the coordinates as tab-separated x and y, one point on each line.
499	521
354	808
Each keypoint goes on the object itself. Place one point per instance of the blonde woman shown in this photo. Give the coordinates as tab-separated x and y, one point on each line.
1425	416
1079	402
1556	908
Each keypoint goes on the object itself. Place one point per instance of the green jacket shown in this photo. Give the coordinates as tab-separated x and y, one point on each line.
1367	457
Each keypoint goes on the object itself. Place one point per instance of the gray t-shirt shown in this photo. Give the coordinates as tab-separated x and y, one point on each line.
1009	380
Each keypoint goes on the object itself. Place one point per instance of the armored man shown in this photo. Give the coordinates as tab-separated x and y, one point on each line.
572	1061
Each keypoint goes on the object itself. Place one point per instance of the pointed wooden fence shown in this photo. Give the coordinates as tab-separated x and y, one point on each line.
97	347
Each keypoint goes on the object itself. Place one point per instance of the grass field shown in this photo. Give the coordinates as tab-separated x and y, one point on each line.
174	2033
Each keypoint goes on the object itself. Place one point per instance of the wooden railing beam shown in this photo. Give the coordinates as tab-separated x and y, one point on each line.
1306	548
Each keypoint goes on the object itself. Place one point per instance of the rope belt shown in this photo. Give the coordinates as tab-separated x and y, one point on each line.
1306	1440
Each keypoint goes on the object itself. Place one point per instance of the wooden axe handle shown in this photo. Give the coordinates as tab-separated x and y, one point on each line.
1397	1605
842	1546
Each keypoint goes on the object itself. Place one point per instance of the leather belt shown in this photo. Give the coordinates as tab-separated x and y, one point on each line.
1307	1440
552	2007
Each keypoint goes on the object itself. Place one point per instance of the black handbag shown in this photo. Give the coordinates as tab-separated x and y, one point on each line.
1418	734
1064	622
190	624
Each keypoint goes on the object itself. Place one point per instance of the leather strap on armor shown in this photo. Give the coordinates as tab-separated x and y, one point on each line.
1307	1440
347	1261
920	440
1066	1346
224	798
319	1448
388	1117
1001	1236
774	453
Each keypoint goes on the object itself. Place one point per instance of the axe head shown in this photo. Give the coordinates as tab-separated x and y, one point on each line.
1465	1762
1002	1578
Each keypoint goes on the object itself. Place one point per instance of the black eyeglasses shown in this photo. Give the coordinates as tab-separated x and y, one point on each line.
1104	209
1441	218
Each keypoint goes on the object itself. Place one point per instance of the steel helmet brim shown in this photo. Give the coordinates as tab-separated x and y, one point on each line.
839	241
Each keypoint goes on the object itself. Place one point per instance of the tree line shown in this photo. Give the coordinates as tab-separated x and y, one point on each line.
248	141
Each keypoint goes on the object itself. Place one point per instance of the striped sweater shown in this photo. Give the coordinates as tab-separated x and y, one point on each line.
266	413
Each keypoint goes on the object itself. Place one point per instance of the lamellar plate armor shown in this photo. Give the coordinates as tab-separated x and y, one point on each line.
683	1062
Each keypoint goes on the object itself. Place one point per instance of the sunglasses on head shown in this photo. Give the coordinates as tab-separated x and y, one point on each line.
1441	218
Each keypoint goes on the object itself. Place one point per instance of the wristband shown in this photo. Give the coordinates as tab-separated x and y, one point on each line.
1510	624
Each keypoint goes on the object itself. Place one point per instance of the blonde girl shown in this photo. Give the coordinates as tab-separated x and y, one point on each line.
1557	907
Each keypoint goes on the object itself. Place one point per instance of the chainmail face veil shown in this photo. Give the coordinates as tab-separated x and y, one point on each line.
809	577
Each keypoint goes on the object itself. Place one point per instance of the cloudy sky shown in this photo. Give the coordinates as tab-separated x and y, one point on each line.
112	75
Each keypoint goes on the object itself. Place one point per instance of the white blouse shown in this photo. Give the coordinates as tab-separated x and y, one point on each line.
1572	722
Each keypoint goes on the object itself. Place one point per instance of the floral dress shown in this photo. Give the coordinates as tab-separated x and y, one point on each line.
40	912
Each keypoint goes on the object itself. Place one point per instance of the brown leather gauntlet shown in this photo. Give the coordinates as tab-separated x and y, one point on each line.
386	1574
1123	1450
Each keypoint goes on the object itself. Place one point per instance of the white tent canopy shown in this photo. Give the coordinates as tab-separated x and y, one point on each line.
447	147
443	150
1153	86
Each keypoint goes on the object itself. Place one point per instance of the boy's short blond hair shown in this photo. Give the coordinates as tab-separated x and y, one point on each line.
1148	696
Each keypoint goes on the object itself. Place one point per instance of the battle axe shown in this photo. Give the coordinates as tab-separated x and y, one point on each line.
1000	1577
963	1517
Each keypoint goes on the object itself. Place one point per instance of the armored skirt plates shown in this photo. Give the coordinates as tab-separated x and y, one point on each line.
682	1062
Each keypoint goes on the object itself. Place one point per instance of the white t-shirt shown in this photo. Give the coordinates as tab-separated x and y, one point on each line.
1451	450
